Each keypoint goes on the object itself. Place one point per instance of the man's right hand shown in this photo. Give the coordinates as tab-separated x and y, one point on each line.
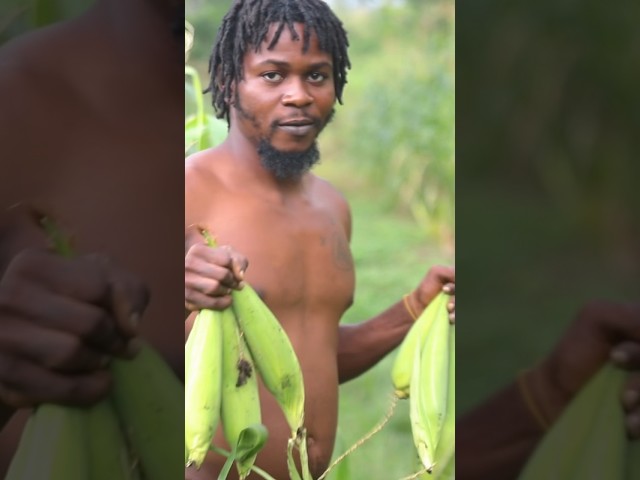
61	320
211	274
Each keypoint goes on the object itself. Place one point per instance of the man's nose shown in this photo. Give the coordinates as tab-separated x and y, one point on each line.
297	94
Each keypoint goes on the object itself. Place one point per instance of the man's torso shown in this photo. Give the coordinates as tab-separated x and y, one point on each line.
300	264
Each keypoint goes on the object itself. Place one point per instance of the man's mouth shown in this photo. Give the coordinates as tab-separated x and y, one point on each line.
298	126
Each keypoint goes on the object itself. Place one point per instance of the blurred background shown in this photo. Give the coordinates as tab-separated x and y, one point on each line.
547	204
21	16
390	150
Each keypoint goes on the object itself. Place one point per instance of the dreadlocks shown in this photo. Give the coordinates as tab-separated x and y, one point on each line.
246	25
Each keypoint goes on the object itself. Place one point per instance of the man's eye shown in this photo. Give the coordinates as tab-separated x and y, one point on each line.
317	77
272	76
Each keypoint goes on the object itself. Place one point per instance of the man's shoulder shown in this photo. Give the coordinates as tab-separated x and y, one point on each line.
328	191
202	172
201	165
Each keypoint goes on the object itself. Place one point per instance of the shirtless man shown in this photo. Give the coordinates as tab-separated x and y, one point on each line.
289	231
256	195
91	131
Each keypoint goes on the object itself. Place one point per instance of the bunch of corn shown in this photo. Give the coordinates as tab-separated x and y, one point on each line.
222	354
129	435
588	441
424	372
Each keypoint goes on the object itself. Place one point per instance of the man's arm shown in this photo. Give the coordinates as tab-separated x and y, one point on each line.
362	345
495	439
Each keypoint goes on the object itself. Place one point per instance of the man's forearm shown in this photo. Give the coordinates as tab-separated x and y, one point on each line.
494	440
362	345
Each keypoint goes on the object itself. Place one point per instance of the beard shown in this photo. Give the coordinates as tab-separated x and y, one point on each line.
287	165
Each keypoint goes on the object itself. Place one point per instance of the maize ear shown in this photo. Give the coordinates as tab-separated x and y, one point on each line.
203	382
434	376
53	446
109	457
603	451
403	363
444	468
272	353
240	404
149	400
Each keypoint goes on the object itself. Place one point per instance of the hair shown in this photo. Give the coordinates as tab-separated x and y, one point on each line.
246	25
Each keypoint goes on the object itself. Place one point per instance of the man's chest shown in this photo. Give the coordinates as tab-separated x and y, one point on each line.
296	256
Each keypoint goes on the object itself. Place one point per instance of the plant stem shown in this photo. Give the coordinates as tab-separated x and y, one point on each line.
258	470
359	443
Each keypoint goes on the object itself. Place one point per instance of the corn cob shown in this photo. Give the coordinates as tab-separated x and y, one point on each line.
433	381
149	400
53	446
203	382
444	468
273	354
240	404
109	457
419	431
276	362
403	364
603	451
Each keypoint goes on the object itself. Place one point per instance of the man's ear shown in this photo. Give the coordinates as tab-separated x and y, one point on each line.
230	97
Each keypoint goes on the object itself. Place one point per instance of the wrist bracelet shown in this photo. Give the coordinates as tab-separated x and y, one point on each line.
405	300
532	406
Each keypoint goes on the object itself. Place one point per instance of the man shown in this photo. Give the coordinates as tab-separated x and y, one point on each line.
277	84
276	71
90	133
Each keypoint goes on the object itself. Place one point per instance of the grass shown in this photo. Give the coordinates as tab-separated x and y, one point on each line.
392	254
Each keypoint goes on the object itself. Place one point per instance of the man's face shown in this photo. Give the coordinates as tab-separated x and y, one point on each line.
286	97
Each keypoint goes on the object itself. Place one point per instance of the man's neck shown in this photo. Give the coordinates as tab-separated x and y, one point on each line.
244	154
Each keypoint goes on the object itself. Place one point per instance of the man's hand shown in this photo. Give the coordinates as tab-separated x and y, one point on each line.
438	278
211	274
602	331
61	320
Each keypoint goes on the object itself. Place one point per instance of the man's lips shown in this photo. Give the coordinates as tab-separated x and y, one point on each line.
298	126
297	122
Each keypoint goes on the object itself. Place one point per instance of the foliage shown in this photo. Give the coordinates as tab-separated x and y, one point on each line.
558	110
402	90
19	16
201	130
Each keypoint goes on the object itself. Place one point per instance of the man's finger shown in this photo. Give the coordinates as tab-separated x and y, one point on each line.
626	355
24	383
